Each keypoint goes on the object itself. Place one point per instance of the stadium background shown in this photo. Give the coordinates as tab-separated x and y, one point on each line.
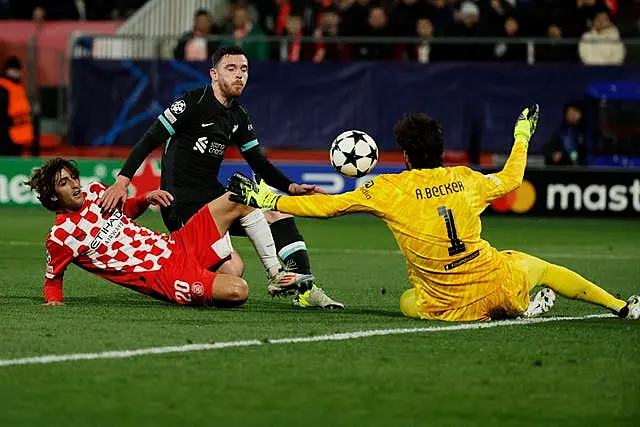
96	84
98	71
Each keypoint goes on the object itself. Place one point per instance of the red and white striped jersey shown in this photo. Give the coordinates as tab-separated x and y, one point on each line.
114	247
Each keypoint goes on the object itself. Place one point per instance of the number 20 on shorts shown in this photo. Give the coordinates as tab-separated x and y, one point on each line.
183	292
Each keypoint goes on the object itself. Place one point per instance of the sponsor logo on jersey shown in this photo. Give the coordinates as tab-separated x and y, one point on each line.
235	128
201	144
217	149
178	106
204	125
364	189
109	231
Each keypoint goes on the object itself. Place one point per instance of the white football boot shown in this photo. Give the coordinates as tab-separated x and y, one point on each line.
540	303
288	283
631	311
315	297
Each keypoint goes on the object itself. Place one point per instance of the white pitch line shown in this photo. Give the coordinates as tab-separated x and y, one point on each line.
124	354
21	243
386	252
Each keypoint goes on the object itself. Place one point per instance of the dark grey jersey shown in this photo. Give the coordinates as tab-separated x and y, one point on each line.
197	130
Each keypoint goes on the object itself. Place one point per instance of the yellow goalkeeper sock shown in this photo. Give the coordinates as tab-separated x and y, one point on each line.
571	285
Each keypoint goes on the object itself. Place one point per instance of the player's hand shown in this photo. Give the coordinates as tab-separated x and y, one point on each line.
53	303
304	189
115	196
247	192
159	197
526	124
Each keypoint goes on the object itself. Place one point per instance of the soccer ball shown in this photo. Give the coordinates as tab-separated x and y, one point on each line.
353	153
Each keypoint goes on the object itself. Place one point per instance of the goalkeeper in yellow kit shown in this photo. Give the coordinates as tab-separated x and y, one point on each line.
434	215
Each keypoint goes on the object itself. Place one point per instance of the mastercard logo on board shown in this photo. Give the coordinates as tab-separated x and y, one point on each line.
519	201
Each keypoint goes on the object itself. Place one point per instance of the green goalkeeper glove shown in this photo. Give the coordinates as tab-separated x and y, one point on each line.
247	192
526	124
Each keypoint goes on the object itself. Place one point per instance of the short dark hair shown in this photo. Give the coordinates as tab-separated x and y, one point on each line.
420	137
602	9
13	62
227	50
43	180
201	12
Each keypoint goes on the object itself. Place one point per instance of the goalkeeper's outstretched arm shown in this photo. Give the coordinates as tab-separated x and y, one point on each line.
323	205
511	175
319	206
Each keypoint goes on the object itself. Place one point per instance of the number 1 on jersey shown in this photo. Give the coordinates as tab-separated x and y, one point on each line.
457	247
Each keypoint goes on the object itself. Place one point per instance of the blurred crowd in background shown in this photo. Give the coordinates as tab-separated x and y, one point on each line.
588	20
599	24
594	32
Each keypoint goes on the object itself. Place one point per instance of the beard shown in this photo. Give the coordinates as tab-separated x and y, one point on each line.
232	89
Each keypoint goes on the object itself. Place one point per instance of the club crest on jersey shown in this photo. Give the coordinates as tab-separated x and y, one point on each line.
49	266
178	107
197	289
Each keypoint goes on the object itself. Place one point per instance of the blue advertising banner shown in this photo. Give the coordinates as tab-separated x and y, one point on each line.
606	193
312	173
305	105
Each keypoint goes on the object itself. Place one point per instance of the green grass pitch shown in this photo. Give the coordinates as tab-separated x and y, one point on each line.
569	373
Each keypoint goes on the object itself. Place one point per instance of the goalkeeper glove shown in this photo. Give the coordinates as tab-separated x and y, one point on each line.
526	124
247	192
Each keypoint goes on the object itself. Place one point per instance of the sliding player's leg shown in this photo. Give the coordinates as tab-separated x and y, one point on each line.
176	216
232	265
244	221
183	281
228	291
292	250
225	213
567	283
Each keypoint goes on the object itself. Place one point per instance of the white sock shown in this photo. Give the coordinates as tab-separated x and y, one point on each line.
258	231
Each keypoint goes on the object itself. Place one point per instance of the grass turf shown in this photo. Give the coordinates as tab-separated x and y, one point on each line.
566	373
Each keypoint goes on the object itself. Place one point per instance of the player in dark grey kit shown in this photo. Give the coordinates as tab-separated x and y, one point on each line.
196	130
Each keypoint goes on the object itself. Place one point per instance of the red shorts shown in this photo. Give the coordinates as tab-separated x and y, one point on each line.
185	277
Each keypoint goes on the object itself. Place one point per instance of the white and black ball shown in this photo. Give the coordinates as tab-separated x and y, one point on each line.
353	153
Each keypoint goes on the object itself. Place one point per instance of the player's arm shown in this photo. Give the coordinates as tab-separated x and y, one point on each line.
136	206
259	163
170	121
318	206
253	153
58	258
510	177
324	205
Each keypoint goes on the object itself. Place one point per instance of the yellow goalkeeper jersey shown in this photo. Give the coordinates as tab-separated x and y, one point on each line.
434	215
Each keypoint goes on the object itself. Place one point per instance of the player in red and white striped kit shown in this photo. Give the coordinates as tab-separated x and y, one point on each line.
172	268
